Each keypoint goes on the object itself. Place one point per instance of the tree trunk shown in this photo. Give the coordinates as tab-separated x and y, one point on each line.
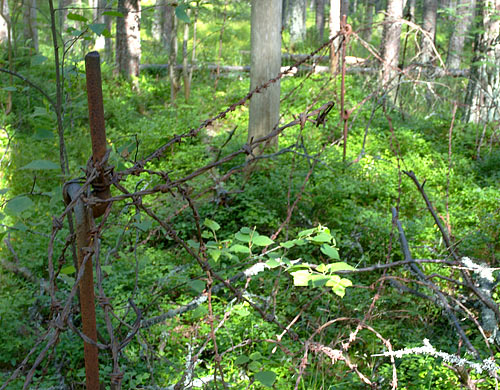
429	27
30	31
344	8
63	13
128	40
320	18
334	23
164	23
297	25
465	16
265	65
4	23
391	39
103	42
483	90
172	52
368	20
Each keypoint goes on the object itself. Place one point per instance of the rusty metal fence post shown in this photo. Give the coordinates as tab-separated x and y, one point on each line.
83	214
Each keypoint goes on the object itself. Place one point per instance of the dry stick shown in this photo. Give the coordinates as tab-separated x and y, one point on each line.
414	267
345	114
449	246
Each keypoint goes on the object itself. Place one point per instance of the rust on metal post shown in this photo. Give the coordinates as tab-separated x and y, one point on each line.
97	129
87	300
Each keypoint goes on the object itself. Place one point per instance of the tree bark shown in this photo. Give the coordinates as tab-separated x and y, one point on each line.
344	8
103	42
368	20
429	27
483	89
30	30
4	23
297	25
320	18
465	16
128	40
334	24
391	39
265	65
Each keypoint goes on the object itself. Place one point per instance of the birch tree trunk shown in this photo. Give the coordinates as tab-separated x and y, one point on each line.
483	89
429	26
265	64
297	25
30	30
465	16
391	39
128	40
334	24
4	24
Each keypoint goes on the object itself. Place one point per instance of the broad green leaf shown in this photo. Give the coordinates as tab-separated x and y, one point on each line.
237	248
267	378
40	165
254	366
288	244
180	12
10	89
322	237
339	266
321	268
193	244
17	205
242	237
38	59
256	355
68	270
242	359
106	33
107	269
330	251
246	230
197	285
273	263
113	13
211	224
43	134
20	226
98	28
262	241
319	280
78	18
207	234
307	232
3	191
301	278
242	311
214	254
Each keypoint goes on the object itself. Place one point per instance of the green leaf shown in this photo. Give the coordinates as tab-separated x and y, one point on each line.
301	278
330	251
273	263
240	249
256	355
39	111
211	224
180	12
43	134
246	230
307	232
40	165
193	244
113	13
242	237
339	266
267	378
78	18
144	225
197	285
3	191
17	205
38	59
68	270
254	366
262	241
106	33
288	244
215	254
98	28
107	269
242	359
322	237
10	89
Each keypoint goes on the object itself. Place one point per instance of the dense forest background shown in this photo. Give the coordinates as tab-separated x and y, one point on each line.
291	194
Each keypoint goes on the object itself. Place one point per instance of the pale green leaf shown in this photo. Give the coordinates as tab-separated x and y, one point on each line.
242	237
301	278
78	18
211	224
262	241
273	263
242	359
197	285
237	248
267	378
98	28
68	270
330	251
40	165
17	205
